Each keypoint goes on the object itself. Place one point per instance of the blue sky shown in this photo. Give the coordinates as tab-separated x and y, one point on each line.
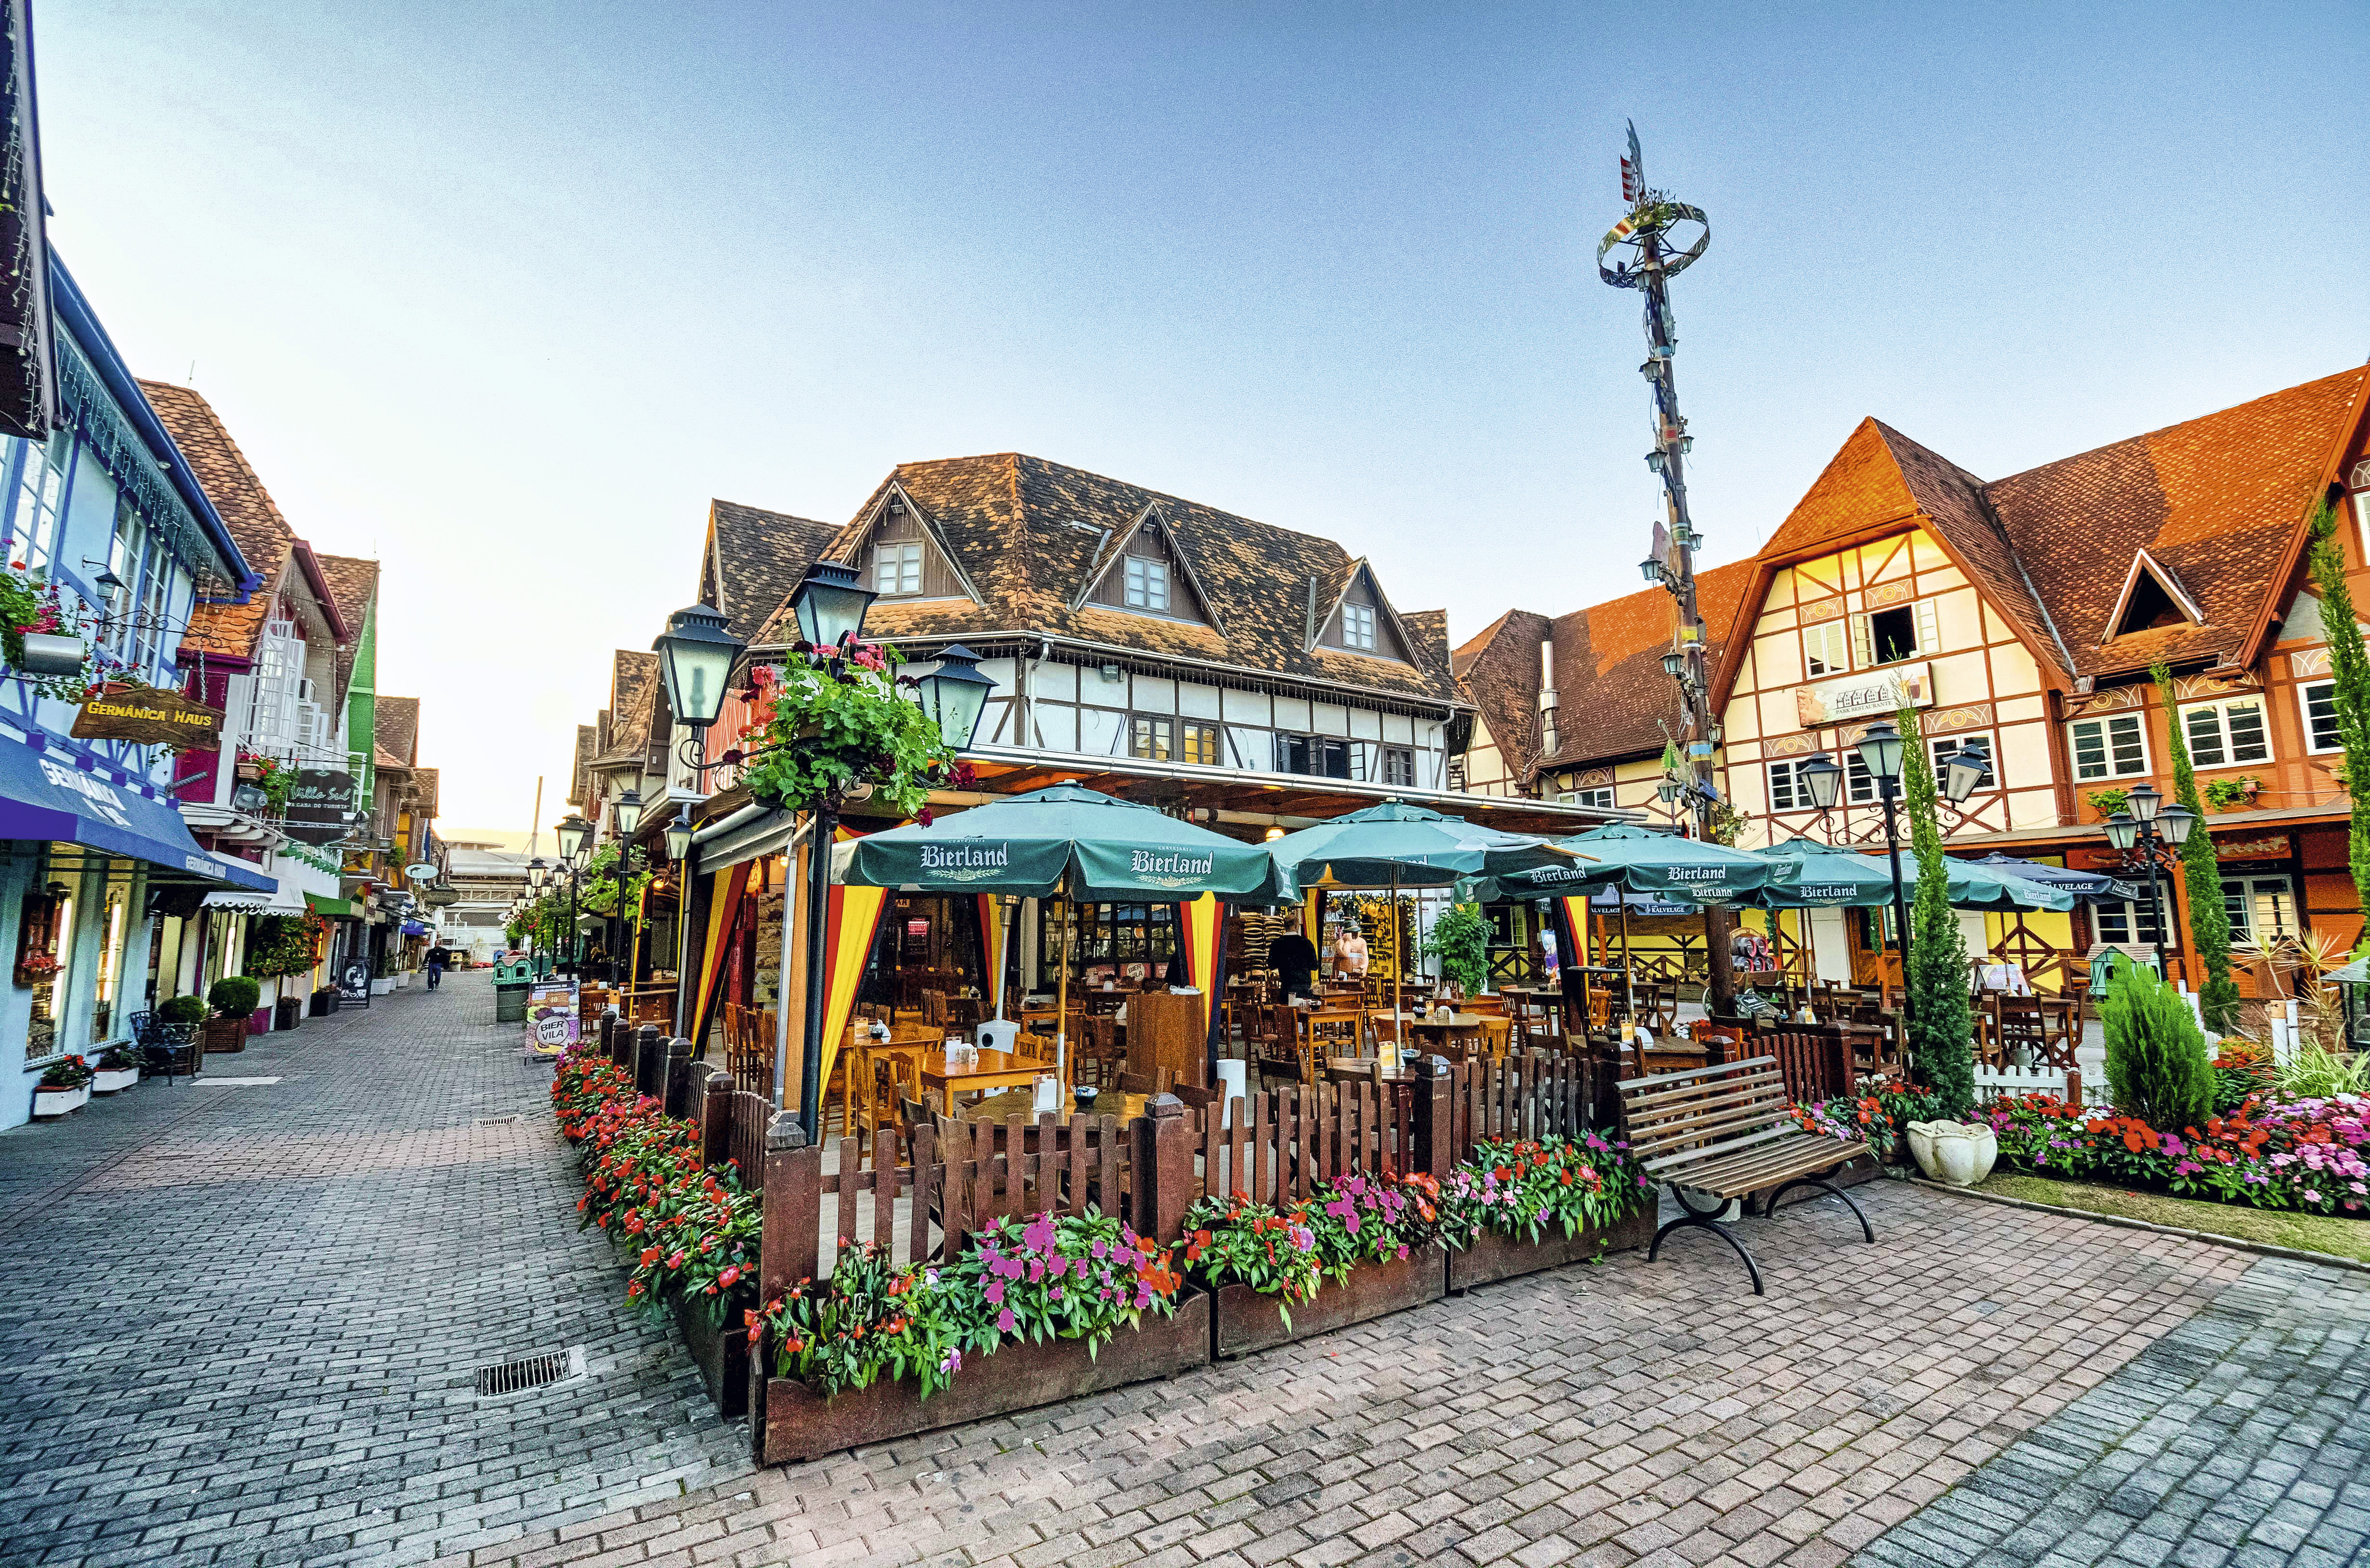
504	294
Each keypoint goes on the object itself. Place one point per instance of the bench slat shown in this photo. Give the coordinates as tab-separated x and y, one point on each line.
1712	1122
1750	1170
1661	1166
1653	1081
1697	1109
1648	1104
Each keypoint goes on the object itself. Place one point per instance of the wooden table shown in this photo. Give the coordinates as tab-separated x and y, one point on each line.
1013	1103
993	1069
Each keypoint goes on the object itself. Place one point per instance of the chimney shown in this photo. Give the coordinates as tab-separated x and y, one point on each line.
1547	695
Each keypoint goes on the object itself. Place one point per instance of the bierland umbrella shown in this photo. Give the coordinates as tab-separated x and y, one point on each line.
1395	845
1066	842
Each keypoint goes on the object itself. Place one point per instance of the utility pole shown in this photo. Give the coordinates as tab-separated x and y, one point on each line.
1656	241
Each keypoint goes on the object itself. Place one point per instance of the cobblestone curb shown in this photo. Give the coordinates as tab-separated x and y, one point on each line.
2296	1254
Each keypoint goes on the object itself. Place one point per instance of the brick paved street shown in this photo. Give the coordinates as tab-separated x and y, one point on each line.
242	1318
246	1317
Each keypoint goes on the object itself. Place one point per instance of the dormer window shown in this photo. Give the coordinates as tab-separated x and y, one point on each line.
1147	584
897	568
2152	597
1358	624
1358	628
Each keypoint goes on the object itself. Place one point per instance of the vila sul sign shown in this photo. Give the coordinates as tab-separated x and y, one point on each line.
149	718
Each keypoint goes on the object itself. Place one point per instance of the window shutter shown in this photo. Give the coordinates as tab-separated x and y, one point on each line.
1929	628
1863	645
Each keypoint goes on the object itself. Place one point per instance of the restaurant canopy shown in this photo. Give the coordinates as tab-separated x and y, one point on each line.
2087	886
1646	860
1399	844
1810	875
1067	840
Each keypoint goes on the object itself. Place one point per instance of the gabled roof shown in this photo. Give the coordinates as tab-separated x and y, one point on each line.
633	690
587	739
353	583
396	724
2220	501
1612	696
246	507
1028	533
754	559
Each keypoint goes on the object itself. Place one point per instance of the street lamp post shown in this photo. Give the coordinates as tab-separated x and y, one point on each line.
1880	753
697	653
628	818
2152	829
679	853
574	834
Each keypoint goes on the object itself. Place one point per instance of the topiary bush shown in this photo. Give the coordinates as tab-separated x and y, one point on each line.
181	1009
2157	1069
235	996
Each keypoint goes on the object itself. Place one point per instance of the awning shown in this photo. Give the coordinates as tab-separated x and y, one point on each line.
51	798
413	928
274	899
336	909
769	834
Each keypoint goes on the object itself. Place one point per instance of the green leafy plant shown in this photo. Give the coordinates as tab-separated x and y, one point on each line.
182	1009
2315	1072
868	1320
2224	793
2349	666
1941	1018
2107	802
115	1058
2158	1066
30	603
837	724
275	778
285	945
71	1072
1459	938
1234	1241
234	996
1523	1187
2200	879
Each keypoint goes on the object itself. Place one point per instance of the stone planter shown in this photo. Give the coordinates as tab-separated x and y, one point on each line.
792	1422
114	1080
720	1349
1494	1257
1248	1322
1955	1154
60	1102
224	1035
380	986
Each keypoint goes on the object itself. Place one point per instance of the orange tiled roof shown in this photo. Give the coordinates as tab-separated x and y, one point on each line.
246	507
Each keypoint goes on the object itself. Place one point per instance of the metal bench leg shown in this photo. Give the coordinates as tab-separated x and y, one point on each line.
1769	1210
1705	1223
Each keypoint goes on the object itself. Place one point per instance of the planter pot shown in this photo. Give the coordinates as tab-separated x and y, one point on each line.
1248	1321
793	1423
60	1102
113	1079
47	653
720	1349
223	1034
1951	1153
380	987
1494	1257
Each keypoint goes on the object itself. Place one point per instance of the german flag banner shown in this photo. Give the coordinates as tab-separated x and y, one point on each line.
851	921
730	886
1200	943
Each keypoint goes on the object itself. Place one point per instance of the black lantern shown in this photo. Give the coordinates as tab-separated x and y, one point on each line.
1822	776
1651	568
954	695
678	835
1674	665
629	813
1879	750
2144	803
1963	773
535	872
2173	824
697	653
829	603
572	831
2122	834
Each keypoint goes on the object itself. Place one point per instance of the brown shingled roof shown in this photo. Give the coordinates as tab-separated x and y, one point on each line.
633	691
586	743
246	507
396	723
2217	500
353	583
754	559
1031	533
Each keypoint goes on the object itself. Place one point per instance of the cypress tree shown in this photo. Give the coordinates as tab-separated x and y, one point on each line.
2350	668
1942	1020
2158	1068
2200	879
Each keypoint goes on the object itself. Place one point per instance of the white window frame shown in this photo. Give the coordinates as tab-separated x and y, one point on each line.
896	562
2132	919
1826	649
1599	796
2248	893
1146	584
1938	746
1358	628
2304	714
2225	746
2361	486
1859	784
1787	790
2106	724
1925	631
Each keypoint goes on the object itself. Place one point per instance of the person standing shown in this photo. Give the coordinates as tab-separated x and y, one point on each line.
1294	958
1349	953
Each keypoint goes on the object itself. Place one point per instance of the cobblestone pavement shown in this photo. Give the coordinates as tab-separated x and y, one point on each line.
1620	1414
241	1319
2240	1437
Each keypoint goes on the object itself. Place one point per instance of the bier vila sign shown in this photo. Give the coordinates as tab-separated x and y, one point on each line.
148	716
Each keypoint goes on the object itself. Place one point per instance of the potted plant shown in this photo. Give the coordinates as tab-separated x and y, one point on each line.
1460	940
37	966
2230	794
180	1011
234	999
383	978
118	1070
40	636
64	1088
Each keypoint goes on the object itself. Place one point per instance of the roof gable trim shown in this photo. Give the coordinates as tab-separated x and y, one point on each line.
1112	556
894	492
2162	577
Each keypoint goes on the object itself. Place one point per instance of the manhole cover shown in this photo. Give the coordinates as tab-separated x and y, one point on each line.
529	1373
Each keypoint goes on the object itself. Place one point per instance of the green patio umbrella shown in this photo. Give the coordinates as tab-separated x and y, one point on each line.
1643	859
1806	874
1975	885
1067	842
1395	844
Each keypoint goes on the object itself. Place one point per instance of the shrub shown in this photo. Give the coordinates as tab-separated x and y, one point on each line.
181	1009
2315	1072
2157	1067
235	996
1460	940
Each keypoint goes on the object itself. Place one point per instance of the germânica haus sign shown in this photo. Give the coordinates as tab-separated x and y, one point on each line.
148	716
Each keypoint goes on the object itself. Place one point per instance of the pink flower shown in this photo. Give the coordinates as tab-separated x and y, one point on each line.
1005	1322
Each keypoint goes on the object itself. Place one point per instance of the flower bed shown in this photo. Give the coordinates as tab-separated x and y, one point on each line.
2307	1154
690	1229
1032	1313
1357	1247
1532	1204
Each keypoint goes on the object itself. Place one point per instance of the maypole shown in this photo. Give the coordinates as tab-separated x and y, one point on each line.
1659	239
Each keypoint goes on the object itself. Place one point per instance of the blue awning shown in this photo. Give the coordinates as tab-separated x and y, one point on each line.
413	928
49	797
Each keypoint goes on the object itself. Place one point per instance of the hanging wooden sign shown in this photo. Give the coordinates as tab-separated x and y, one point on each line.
148	716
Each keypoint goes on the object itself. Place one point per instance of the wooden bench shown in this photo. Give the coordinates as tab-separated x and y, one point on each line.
1727	1132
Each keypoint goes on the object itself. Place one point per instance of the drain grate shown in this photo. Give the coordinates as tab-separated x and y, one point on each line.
500	1121
517	1377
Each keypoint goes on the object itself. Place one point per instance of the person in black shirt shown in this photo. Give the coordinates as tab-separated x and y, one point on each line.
1294	958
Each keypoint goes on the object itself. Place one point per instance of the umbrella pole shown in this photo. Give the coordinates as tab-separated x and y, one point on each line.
1062	995
1629	977
1398	973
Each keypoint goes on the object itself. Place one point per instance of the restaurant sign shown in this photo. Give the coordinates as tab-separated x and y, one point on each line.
1871	695
317	808
146	716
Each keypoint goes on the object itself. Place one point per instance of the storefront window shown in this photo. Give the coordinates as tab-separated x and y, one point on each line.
50	995
1109	936
110	961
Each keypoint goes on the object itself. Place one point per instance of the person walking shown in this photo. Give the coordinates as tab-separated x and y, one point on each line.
437	958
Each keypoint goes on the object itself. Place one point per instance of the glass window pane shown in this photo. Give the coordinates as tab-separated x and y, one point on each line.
2245	721
2320	715
2205	727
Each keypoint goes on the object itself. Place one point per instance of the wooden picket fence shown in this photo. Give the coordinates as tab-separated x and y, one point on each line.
1281	1142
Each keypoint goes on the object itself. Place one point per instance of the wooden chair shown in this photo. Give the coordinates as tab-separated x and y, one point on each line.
1728	1132
1497	1035
1723	1042
1135	1083
1493	1005
894	1077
